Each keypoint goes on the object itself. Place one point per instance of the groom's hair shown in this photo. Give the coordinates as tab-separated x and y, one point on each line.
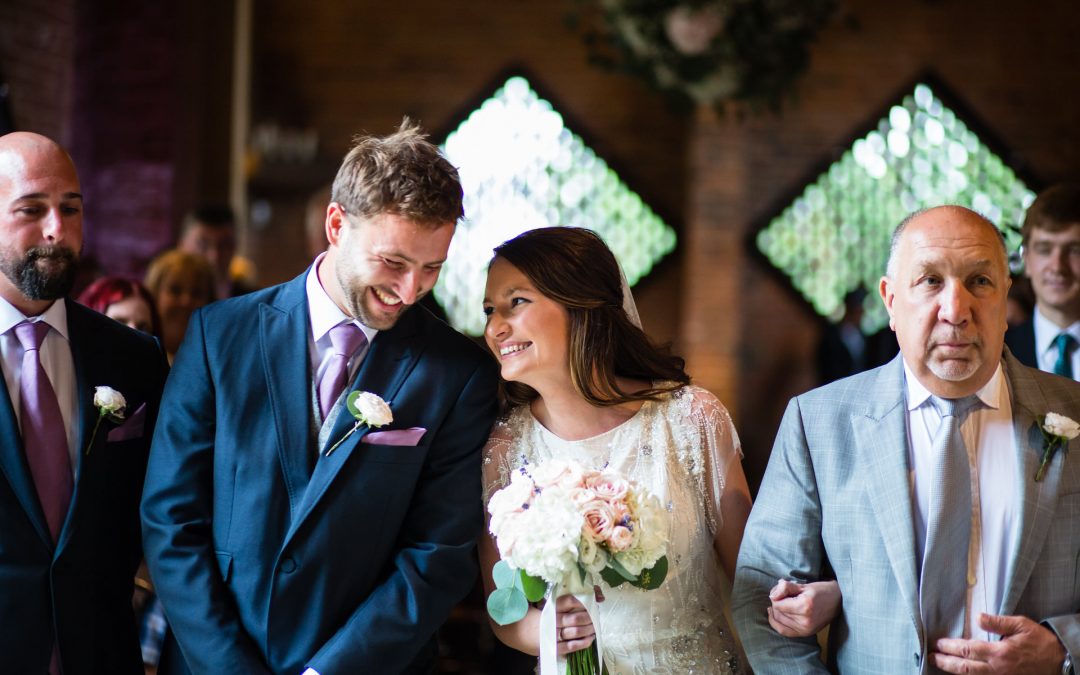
401	174
573	267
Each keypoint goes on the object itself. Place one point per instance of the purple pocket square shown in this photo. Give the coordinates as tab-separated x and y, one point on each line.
409	436
130	428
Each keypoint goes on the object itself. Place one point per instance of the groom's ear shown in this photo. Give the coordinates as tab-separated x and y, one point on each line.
887	297
335	222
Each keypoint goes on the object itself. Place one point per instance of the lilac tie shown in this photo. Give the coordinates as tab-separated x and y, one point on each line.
345	340
44	437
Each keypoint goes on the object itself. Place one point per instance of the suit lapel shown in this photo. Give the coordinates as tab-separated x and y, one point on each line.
386	366
1037	500
89	361
283	333
15	469
882	437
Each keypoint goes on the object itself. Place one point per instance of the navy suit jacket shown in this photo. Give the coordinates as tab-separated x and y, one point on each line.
264	564
1021	342
83	584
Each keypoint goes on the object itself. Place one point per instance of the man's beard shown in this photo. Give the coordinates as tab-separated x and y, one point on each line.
43	273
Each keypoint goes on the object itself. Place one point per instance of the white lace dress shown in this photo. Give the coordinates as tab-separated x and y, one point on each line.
679	448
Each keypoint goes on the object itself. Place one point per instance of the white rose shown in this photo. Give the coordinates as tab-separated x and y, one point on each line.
1059	425
109	401
373	410
513	498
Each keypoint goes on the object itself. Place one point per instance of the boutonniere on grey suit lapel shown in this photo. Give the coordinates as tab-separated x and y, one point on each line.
1057	431
368	409
110	405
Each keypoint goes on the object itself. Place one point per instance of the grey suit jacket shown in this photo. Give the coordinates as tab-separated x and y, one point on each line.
836	496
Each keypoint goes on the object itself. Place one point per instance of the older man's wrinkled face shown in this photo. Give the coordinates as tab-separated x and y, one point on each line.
946	300
40	221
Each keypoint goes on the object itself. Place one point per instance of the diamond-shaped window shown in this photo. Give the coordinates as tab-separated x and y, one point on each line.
834	238
521	169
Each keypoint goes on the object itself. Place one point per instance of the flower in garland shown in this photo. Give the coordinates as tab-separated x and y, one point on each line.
709	51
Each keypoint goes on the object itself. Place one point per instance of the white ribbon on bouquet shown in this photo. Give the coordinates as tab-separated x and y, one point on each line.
551	663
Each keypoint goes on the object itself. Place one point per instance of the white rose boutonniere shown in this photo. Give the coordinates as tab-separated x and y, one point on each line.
1057	431
367	408
110	405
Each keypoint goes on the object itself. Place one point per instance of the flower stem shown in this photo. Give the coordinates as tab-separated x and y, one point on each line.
342	439
93	434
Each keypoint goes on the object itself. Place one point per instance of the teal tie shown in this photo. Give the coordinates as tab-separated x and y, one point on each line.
1065	344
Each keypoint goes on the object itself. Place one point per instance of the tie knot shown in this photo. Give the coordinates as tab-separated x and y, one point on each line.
31	335
346	338
955	407
1065	343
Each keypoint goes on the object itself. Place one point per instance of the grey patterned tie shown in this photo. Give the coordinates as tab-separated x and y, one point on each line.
943	581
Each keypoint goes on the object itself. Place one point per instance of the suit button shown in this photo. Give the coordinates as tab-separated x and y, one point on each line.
288	565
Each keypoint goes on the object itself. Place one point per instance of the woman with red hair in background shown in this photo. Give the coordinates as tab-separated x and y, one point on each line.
125	301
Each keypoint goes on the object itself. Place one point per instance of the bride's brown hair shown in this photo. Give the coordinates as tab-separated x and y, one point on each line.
573	267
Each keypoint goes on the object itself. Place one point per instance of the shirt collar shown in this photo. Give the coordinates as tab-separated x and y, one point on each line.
990	393
324	312
1046	331
55	316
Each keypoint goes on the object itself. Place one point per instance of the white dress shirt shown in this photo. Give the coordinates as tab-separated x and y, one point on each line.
56	359
1046	352
988	434
324	315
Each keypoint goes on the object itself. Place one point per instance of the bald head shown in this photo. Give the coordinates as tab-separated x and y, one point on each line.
945	292
40	221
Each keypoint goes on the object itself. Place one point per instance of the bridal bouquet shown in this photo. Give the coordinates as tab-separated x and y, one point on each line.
560	527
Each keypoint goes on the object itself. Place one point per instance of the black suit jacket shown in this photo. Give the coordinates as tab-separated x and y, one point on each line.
83	583
1021	342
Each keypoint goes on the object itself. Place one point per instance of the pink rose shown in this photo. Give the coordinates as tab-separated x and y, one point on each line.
607	487
581	496
598	520
621	538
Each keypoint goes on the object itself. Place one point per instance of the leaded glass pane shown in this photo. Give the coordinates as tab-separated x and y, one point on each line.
521	168
834	238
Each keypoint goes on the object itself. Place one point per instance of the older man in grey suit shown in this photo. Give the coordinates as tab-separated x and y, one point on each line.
915	484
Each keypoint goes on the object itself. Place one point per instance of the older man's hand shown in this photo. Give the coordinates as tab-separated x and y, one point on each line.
1025	647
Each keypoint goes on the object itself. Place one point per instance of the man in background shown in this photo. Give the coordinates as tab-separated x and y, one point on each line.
1051	245
210	231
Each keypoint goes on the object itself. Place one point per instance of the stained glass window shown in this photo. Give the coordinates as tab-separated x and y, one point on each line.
834	238
521	169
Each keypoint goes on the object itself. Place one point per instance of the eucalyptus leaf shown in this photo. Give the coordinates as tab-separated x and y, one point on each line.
507	605
611	577
654	576
534	587
350	403
504	575
613	563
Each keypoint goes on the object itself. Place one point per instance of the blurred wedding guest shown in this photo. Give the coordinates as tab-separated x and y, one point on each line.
210	231
180	283
1021	305
844	348
69	487
1051	250
123	300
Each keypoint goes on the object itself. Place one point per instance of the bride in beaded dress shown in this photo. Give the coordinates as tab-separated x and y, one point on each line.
583	382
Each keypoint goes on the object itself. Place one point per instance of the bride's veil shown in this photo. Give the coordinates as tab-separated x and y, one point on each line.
628	304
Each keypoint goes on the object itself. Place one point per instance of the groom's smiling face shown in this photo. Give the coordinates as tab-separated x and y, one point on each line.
378	267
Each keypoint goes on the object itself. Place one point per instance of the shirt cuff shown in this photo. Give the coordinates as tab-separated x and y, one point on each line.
310	671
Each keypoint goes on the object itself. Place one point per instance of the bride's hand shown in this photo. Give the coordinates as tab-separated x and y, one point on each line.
575	630
801	610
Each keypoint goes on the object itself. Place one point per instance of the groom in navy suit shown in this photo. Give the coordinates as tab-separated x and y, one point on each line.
283	535
69	489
